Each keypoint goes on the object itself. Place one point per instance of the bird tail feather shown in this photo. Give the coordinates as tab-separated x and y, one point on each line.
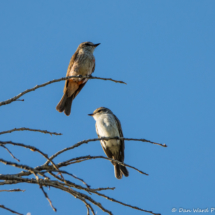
60	106
68	106
118	173
124	171
65	104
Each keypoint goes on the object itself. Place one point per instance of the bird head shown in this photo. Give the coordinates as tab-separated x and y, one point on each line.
99	111
88	46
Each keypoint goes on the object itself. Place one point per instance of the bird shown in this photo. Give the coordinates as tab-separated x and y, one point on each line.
82	63
108	125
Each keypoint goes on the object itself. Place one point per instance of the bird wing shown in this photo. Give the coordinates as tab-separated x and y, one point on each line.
78	90
72	60
122	144
82	85
106	150
94	65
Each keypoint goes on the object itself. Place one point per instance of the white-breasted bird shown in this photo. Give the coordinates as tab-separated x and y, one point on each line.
82	63
108	125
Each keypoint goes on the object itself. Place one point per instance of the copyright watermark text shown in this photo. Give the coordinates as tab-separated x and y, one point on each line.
194	210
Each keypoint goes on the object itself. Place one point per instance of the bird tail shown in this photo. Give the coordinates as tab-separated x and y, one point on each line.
65	104
68	106
118	173
124	171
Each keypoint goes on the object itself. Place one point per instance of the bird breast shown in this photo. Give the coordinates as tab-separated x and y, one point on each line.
83	65
107	127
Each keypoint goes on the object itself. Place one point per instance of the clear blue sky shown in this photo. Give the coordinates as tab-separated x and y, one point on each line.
165	52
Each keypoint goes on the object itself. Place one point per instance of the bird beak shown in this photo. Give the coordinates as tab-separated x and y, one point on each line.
96	44
91	114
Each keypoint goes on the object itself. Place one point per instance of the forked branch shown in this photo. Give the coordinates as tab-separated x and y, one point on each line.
46	175
60	182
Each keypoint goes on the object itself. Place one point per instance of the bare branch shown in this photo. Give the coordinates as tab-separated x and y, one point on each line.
111	199
14	190
107	79
91	208
84	158
32	170
10	153
71	184
2	206
102	138
46	195
143	140
14	180
134	207
88	210
32	148
29	129
61	183
88	206
51	169
54	81
65	172
20	100
81	195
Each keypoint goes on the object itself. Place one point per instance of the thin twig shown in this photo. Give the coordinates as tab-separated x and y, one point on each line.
20	100
65	172
81	195
71	184
14	190
2	206
10	153
29	129
54	81
51	169
106	79
46	195
88	206
142	140
134	207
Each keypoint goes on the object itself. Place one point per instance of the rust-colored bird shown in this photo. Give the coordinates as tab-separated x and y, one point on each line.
82	63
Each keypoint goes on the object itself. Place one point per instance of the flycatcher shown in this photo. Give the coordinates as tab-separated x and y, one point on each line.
108	125
82	63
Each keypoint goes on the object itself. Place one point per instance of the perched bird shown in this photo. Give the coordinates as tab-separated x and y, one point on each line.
82	63
108	125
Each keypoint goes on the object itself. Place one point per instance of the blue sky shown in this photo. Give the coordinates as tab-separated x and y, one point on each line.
163	50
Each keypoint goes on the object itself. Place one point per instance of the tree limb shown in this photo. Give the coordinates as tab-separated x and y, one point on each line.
14	190
46	195
29	129
102	138
88	157
2	206
54	81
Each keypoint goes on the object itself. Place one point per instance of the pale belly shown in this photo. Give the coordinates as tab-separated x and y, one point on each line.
107	127
83	66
